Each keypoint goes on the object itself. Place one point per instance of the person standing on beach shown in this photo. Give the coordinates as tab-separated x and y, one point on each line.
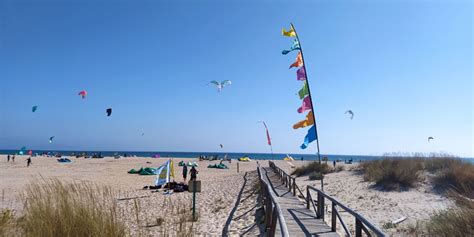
194	173
13	158
334	163
185	172
8	158
28	161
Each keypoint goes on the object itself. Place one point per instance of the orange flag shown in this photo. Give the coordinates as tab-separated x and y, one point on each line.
298	62
307	122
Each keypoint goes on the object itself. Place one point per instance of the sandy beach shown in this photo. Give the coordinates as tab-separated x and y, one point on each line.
219	191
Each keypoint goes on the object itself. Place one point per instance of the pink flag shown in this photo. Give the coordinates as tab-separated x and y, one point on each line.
301	74
306	105
268	134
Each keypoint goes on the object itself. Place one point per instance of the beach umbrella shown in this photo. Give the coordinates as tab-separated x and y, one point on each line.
109	112
220	85
83	94
34	108
350	112
430	138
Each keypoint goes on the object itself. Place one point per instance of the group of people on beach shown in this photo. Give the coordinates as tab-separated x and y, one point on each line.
28	161
193	172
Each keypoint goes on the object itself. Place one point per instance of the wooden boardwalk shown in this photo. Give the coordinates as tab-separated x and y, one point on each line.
299	220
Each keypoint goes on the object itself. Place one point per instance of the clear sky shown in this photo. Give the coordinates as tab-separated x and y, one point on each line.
403	67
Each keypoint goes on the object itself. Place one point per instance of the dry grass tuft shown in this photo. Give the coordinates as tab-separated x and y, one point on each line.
312	168
392	173
54	208
7	221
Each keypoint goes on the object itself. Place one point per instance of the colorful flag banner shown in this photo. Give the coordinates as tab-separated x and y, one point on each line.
304	123
301	74
289	33
306	105
295	46
298	62
304	91
310	137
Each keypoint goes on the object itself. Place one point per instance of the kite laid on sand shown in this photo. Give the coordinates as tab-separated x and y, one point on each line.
220	85
351	113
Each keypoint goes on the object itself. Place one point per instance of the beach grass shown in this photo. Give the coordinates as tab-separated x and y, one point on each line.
314	169
457	220
396	172
54	208
7	220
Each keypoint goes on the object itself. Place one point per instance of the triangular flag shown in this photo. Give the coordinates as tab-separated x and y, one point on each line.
310	137
289	33
301	74
304	123
298	62
304	91
306	105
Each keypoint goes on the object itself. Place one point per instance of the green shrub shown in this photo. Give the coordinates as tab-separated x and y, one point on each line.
459	177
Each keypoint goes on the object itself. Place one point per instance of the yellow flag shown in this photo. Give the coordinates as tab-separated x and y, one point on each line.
290	33
172	169
307	122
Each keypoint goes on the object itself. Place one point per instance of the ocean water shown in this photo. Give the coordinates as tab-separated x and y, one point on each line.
256	156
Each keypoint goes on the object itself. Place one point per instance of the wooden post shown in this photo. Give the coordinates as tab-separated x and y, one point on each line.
358	231
274	222
194	200
294	186
237	167
308	198
289	184
333	219
268	211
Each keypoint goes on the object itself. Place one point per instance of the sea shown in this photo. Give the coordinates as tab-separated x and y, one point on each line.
231	155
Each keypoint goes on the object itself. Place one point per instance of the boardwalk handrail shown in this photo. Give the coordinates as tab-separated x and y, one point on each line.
362	224
273	212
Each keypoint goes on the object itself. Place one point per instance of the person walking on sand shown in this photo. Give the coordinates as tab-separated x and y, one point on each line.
334	163
8	158
185	172
13	158
194	173
28	162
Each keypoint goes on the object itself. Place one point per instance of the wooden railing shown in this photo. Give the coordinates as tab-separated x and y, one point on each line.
273	213
361	224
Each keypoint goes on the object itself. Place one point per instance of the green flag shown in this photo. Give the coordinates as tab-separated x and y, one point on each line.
304	91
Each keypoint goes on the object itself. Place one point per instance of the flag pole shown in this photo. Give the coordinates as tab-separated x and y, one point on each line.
312	107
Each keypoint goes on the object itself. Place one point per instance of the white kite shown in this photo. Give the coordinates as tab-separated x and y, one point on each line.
220	85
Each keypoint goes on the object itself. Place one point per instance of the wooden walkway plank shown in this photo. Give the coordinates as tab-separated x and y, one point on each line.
299	220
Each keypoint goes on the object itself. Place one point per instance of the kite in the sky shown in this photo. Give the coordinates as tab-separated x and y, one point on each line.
222	146
22	150
143	134
351	113
83	94
430	138
34	108
109	112
51	139
220	85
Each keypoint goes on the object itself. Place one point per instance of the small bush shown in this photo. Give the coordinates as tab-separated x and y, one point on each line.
315	176
339	168
392	173
456	221
313	167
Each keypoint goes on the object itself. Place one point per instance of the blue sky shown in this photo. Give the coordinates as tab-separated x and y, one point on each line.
403	67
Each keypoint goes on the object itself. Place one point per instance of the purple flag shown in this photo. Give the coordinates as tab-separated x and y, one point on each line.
301	74
306	105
